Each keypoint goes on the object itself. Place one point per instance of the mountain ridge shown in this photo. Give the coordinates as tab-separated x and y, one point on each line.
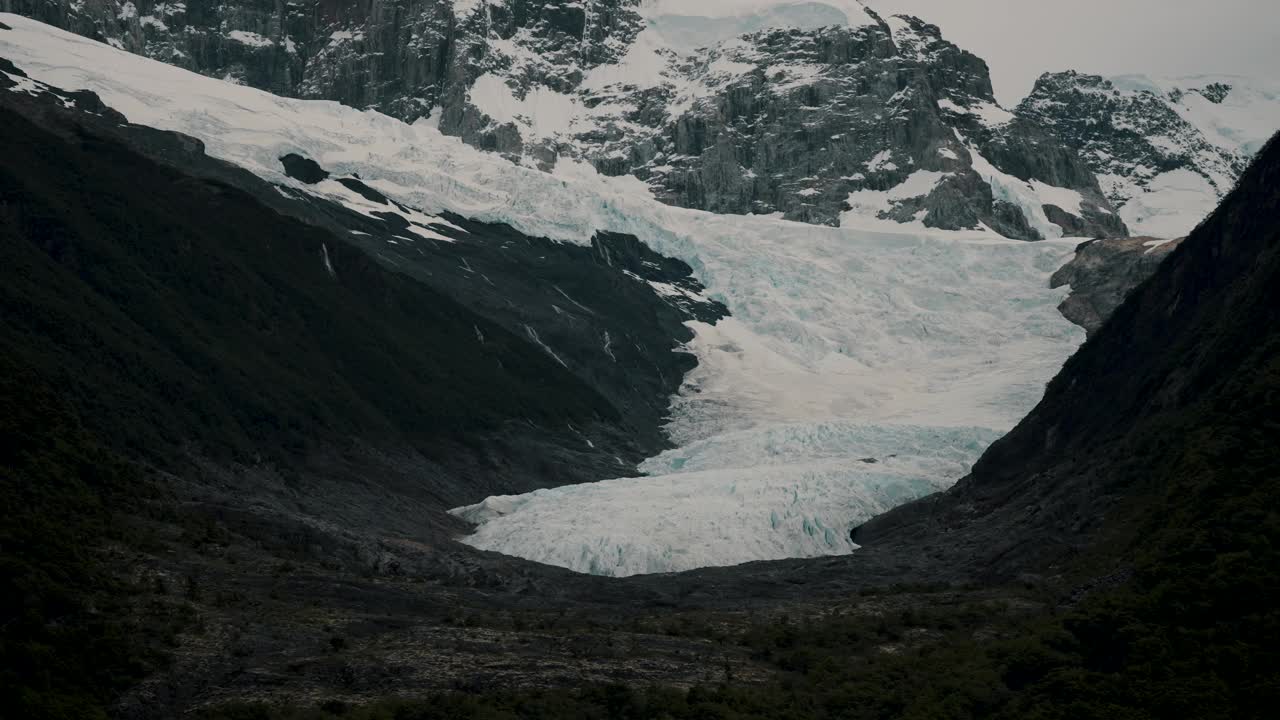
545	81
695	128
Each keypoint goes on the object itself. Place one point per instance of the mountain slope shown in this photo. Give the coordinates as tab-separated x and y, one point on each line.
214	393
1170	403
1165	149
882	119
258	340
821	111
45	213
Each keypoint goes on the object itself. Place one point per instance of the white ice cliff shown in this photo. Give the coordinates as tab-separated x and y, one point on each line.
861	367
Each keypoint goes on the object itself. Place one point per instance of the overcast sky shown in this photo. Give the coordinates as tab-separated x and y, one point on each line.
1020	39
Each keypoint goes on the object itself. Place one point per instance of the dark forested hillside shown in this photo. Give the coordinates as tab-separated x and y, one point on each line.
244	334
150	317
1176	388
189	375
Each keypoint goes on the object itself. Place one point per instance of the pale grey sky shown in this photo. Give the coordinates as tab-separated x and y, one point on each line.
1020	39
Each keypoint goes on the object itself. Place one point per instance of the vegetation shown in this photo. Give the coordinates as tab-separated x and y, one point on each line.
65	645
135	331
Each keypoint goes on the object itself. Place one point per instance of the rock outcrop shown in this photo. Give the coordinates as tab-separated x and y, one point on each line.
1168	407
883	120
1166	150
1104	272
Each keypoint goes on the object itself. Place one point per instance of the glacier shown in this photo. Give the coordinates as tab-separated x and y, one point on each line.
861	367
772	493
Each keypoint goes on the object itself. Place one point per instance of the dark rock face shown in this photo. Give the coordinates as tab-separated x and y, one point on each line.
1172	393
1104	272
1130	135
807	123
303	169
795	121
531	363
405	58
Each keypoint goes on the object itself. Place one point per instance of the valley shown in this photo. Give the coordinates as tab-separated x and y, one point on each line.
539	359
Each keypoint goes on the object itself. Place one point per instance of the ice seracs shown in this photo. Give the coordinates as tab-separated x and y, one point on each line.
789	491
862	370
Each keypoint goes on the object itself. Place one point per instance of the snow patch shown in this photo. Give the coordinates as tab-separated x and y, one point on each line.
870	204
252	39
1173	203
543	112
1029	197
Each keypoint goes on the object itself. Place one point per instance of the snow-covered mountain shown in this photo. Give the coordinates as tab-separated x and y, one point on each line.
914	348
877	119
821	110
824	112
1166	150
861	366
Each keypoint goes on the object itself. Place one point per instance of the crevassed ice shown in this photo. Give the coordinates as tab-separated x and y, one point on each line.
795	495
855	377
911	347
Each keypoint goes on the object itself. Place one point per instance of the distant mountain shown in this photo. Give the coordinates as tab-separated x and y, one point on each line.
1166	150
824	112
880	119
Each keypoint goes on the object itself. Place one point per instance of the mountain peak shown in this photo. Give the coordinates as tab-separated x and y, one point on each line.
825	111
1166	149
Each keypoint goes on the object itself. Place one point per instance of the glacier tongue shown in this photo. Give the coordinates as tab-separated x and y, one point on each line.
788	504
914	348
855	376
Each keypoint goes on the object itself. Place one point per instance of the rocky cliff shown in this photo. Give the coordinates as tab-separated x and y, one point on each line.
879	119
871	120
404	58
1104	272
1166	150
